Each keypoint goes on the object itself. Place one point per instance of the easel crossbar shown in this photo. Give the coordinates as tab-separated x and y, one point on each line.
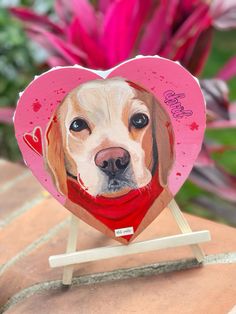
133	248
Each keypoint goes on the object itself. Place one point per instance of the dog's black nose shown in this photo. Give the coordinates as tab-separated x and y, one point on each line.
113	160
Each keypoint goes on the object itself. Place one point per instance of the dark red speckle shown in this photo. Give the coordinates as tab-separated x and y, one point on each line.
59	91
136	86
178	174
36	106
194	126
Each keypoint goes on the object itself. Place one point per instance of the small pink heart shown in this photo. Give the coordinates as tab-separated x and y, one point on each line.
34	140
113	147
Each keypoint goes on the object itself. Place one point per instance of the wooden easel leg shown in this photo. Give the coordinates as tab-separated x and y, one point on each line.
185	228
71	247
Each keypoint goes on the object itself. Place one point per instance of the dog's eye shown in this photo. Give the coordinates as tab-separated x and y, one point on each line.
79	125
139	120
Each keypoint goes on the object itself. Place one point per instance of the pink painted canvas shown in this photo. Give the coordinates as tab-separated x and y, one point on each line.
114	147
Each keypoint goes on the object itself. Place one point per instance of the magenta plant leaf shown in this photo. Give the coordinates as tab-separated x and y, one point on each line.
122	24
204	159
182	43
158	30
232	111
103	5
228	71
71	53
80	38
213	178
63	11
199	18
86	16
6	114
216	92
197	55
223	14
220	112
222	124
187	6
28	16
216	180
54	61
219	148
218	207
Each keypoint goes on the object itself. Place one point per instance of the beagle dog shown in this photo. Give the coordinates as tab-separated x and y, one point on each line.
110	136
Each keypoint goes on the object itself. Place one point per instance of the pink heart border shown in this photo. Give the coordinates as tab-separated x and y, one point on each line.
158	75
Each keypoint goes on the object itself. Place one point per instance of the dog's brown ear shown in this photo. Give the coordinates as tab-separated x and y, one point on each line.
54	156
165	142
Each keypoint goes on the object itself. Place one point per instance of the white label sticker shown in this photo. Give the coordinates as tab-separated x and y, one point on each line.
124	231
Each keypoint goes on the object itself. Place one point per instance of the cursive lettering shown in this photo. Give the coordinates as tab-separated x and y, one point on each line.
173	101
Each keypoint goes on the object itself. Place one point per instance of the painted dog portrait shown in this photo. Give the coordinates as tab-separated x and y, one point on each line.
111	136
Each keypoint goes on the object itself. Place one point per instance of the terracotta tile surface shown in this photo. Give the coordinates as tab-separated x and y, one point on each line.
31	237
23	192
18	190
28	227
10	171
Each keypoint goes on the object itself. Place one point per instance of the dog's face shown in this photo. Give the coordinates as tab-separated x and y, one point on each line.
105	135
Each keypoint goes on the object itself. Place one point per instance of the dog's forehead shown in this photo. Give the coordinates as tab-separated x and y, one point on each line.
106	97
101	94
108	85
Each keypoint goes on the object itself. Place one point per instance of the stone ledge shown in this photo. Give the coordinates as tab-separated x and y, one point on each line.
118	274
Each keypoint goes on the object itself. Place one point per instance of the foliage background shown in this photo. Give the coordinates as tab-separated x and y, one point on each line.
21	60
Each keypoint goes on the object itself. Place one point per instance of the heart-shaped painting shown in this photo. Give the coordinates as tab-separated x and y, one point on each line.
113	147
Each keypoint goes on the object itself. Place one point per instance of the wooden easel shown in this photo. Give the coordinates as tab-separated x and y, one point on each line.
72	257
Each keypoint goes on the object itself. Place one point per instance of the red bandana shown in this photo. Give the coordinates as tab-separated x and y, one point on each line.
120	212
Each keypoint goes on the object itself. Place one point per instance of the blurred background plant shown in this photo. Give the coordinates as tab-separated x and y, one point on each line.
20	60
100	34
